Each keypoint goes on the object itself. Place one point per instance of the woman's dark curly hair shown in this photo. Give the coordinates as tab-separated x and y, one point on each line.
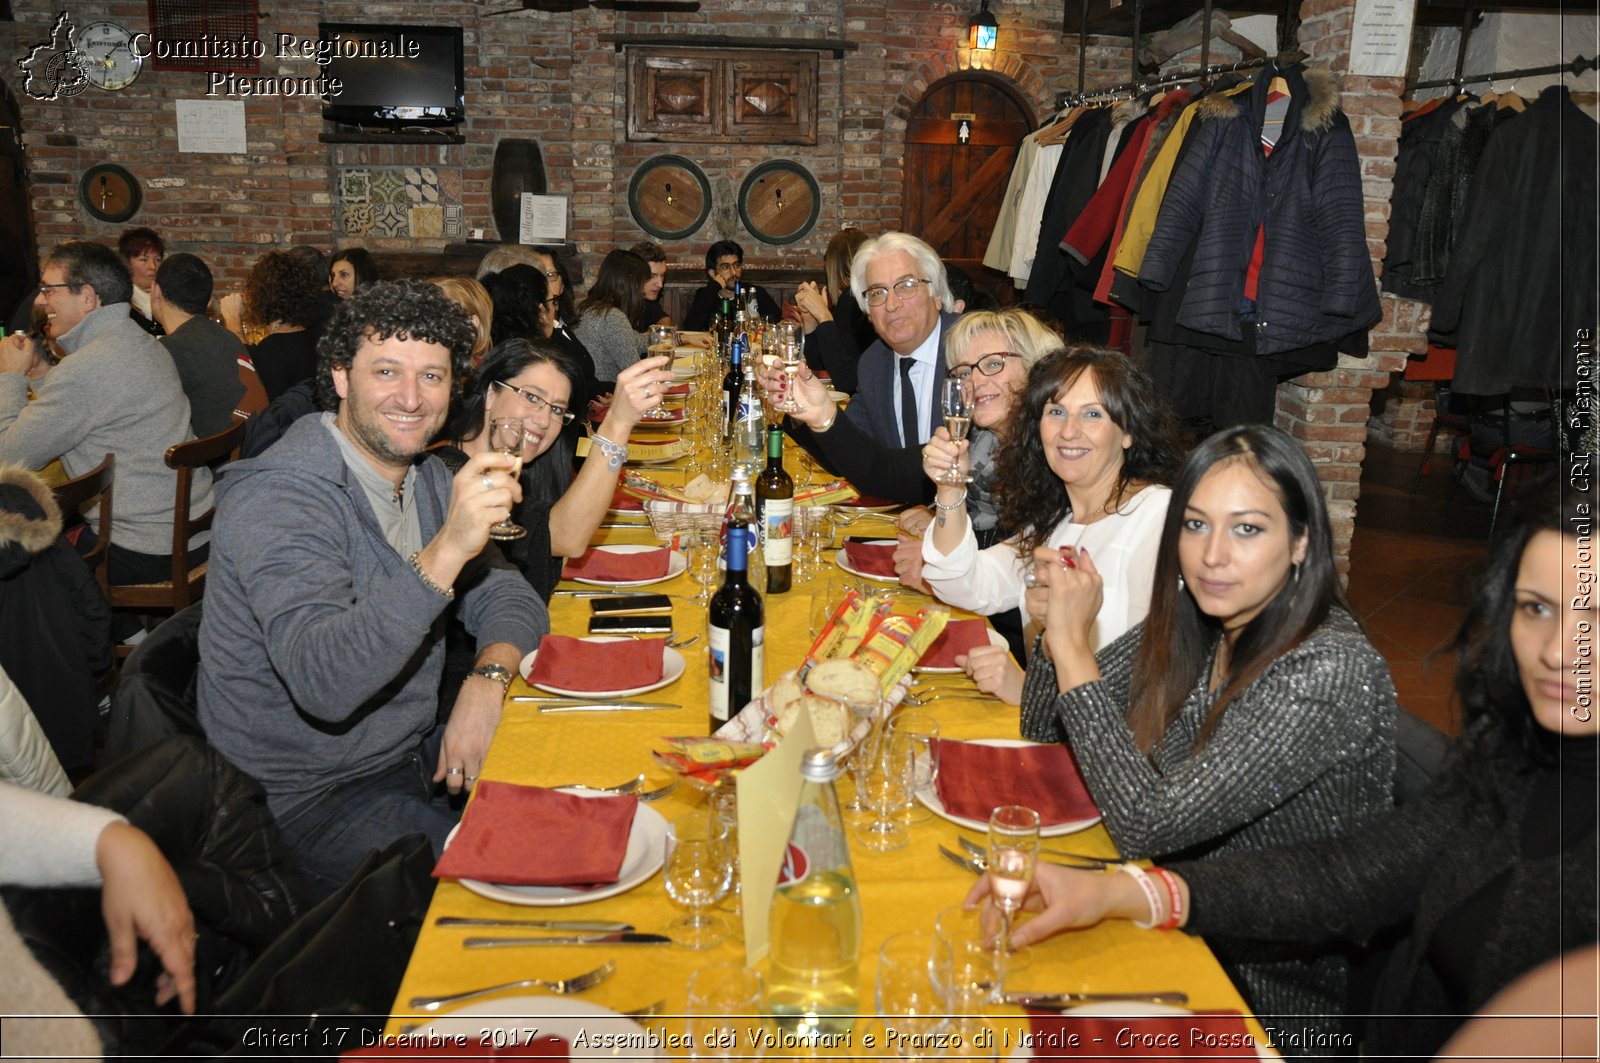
281	287
1032	498
1501	733
410	309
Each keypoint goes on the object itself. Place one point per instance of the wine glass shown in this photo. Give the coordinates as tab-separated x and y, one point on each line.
703	550
725	1018
919	733
885	786
913	991
973	974
789	351
957	401
697	874
505	437
663	341
1013	855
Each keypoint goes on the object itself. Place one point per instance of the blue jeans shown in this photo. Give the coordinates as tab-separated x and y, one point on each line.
334	831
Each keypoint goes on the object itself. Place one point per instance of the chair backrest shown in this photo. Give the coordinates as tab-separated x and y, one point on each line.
78	492
209	452
254	399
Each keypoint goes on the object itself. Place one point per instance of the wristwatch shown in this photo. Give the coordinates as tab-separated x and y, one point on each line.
499	673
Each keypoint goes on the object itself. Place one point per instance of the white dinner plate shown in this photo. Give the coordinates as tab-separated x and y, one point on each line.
929	795
995	639
571	1020
643	858
672	668
1131	1009
677	565
844	563
838	396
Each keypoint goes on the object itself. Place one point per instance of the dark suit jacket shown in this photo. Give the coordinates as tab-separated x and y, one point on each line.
872	410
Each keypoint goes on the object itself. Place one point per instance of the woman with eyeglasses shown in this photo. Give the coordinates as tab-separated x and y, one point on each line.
535	380
1083	467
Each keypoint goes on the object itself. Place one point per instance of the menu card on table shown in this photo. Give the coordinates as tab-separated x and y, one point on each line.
768	794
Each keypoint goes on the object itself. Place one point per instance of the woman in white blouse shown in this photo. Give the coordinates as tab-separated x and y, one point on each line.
1088	474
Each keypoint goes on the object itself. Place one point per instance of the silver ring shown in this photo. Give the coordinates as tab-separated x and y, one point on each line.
488	484
1030	577
452	771
472	778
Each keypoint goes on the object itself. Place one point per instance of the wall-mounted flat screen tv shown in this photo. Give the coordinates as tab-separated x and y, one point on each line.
394	75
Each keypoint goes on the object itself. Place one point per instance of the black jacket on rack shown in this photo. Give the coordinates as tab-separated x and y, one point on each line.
1316	281
1522	277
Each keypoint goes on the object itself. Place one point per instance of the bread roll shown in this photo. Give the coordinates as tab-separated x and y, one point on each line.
830	721
847	679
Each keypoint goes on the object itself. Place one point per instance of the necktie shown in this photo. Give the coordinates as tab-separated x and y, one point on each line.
909	433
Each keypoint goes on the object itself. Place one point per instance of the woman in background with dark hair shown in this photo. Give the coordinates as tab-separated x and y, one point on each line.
606	315
1083	463
1248	711
535	380
350	269
285	299
836	328
143	249
521	303
1490	873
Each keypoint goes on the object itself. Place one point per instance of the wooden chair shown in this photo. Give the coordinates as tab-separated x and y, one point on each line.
73	495
187	581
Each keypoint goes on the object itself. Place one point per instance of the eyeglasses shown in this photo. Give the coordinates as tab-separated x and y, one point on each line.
44	289
539	402
903	289
988	365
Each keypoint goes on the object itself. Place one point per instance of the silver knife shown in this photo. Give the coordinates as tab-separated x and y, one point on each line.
624	938
574	925
608	706
1058	1001
554	699
607	593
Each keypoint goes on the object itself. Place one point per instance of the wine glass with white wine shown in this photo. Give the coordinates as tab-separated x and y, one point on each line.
663	342
957	400
792	354
1013	856
505	437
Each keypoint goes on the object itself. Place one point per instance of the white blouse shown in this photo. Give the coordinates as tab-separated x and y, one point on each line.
1123	546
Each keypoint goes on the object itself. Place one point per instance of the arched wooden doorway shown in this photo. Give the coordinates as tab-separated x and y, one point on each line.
19	271
954	183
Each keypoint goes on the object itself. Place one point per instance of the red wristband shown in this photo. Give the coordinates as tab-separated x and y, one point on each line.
1170	881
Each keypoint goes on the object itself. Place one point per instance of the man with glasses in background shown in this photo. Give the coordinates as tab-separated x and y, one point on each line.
725	267
116	392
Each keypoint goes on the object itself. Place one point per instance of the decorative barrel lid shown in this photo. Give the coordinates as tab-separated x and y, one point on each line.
779	201
669	197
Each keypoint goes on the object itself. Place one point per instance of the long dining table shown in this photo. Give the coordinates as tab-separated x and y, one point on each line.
900	890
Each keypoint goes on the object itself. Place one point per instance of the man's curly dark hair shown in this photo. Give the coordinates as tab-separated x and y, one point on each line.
410	309
281	287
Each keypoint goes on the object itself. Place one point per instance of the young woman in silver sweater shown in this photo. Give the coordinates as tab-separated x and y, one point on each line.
1248	711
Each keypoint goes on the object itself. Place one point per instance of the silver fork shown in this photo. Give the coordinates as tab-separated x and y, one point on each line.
621	788
560	987
659	792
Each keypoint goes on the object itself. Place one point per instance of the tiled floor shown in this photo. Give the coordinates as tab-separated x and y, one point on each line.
1414	563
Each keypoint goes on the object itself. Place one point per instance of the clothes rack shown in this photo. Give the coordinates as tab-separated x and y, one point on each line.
1070	99
1576	67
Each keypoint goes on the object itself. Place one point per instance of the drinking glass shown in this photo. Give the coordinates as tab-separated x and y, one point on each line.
505	437
885	786
1013	855
723	807
912	992
724	1019
819	534
789	351
918	733
957	400
663	341
697	874
703	549
973	973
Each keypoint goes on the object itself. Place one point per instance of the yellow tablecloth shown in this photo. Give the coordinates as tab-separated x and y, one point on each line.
902	890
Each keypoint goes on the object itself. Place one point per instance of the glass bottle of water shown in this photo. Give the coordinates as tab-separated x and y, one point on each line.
815	921
750	435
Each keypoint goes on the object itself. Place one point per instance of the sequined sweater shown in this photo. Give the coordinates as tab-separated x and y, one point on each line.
1301	754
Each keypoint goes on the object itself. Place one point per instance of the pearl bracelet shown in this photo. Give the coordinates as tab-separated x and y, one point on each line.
1152	894
616	453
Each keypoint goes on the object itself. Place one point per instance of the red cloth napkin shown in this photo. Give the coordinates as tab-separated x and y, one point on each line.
620	499
875	559
957	638
975	779
529	836
677	389
573	664
598	564
868	502
462	1046
1209	1035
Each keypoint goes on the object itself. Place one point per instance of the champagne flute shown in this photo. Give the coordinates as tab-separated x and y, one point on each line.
957	420
1013	856
663	342
703	553
505	437
791	369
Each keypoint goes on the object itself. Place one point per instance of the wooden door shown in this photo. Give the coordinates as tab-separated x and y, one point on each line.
955	177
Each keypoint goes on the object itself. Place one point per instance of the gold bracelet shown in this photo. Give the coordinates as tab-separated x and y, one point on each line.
821	428
427	580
